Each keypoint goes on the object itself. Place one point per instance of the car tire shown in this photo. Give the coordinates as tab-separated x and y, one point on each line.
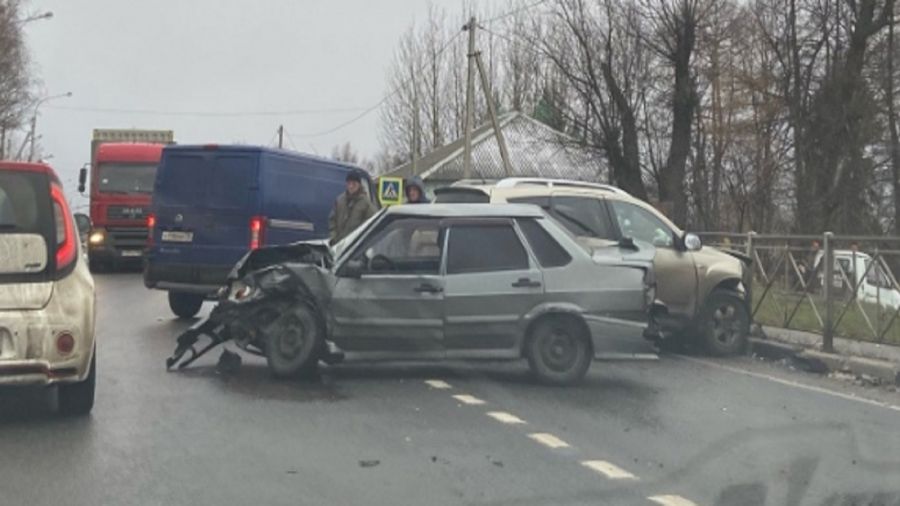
724	324
293	342
77	399
185	305
558	350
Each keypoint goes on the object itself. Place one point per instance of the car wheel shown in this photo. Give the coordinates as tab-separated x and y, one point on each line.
724	325
185	305
293	342
558	351
77	399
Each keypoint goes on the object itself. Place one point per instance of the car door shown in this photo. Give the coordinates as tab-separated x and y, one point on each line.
394	303
676	273
490	284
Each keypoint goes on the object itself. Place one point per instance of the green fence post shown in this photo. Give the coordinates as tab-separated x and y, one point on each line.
827	282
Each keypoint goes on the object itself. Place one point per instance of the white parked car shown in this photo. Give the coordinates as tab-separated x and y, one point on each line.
47	300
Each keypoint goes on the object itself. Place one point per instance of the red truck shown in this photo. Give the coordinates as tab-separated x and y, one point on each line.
123	169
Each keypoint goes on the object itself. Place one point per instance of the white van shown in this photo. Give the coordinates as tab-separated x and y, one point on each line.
875	285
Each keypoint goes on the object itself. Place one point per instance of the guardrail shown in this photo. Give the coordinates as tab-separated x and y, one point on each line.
828	284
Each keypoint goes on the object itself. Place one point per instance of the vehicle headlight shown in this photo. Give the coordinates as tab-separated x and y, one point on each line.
97	237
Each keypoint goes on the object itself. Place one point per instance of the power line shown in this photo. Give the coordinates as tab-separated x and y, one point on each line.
218	114
515	11
384	98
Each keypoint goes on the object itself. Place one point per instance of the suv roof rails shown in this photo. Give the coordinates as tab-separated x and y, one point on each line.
512	182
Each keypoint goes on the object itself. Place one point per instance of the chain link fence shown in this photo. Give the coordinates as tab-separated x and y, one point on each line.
832	285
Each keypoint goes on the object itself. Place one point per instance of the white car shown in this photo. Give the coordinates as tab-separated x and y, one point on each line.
47	300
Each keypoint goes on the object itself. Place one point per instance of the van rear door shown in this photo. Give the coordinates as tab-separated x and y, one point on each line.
204	202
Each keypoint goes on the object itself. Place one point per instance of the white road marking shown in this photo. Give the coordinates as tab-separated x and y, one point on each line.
616	356
504	417
671	500
468	399
791	383
439	384
609	470
548	440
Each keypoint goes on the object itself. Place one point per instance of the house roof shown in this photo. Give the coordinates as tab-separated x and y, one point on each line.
535	150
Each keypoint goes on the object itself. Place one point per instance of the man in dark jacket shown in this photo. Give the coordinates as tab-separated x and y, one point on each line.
351	209
415	191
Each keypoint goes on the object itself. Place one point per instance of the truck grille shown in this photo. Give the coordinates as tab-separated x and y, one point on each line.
128	237
126	213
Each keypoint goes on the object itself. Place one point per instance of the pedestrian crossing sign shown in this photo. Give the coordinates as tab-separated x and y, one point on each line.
390	191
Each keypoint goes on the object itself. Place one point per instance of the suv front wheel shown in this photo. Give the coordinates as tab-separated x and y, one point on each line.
724	323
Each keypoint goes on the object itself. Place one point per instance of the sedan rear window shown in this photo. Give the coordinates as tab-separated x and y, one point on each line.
485	248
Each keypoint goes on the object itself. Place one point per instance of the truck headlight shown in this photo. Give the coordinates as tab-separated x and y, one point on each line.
97	237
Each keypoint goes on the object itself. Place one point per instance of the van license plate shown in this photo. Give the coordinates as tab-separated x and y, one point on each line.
131	252
176	236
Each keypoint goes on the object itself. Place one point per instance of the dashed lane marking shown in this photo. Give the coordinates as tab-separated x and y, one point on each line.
624	357
548	440
791	383
671	500
504	417
611	471
468	399
438	384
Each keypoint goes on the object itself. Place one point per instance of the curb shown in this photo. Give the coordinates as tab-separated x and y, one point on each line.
822	363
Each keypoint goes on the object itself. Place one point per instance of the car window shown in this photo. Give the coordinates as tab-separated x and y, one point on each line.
485	248
639	223
583	216
549	253
404	245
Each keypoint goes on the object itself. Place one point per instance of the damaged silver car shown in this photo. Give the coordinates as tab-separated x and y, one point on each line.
443	281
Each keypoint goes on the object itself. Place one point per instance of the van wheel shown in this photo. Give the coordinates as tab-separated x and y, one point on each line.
185	305
77	399
293	342
724	324
558	351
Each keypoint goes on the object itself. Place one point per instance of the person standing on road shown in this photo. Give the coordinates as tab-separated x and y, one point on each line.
351	209
415	191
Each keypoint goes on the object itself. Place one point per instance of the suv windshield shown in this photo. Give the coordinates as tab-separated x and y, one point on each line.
126	177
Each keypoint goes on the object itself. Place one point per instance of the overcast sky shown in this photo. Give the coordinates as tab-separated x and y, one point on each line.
216	56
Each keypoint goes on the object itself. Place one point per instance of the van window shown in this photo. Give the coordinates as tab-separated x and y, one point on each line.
185	178
233	178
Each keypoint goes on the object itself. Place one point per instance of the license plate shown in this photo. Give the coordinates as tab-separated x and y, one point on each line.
132	253
176	236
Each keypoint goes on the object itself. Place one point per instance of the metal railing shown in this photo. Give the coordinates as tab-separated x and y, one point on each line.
827	284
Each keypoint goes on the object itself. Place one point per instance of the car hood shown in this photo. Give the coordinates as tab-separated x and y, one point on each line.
610	252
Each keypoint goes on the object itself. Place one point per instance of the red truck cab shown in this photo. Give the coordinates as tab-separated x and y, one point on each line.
121	187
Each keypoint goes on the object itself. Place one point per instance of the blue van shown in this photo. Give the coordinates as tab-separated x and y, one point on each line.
212	204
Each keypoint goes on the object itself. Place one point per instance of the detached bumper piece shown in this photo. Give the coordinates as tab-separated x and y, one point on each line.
188	340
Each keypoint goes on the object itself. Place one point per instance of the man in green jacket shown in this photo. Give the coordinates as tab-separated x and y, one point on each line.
351	209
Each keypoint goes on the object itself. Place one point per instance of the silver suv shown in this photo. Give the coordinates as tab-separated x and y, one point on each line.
435	282
704	289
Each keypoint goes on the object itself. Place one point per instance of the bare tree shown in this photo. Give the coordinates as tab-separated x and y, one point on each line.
345	153
15	81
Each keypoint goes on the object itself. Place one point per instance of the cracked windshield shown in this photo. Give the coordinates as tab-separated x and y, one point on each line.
444	252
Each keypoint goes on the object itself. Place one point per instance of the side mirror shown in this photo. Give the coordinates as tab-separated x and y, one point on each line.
82	179
352	269
692	242
83	222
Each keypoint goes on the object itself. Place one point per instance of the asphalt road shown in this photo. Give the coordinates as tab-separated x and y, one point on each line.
673	431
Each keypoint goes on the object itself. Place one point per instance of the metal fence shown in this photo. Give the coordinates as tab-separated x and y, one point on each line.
827	284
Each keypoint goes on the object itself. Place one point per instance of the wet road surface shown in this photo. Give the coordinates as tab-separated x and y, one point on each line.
673	431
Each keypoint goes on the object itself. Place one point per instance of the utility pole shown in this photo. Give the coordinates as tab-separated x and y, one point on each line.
501	142
280	136
415	134
470	98
33	131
